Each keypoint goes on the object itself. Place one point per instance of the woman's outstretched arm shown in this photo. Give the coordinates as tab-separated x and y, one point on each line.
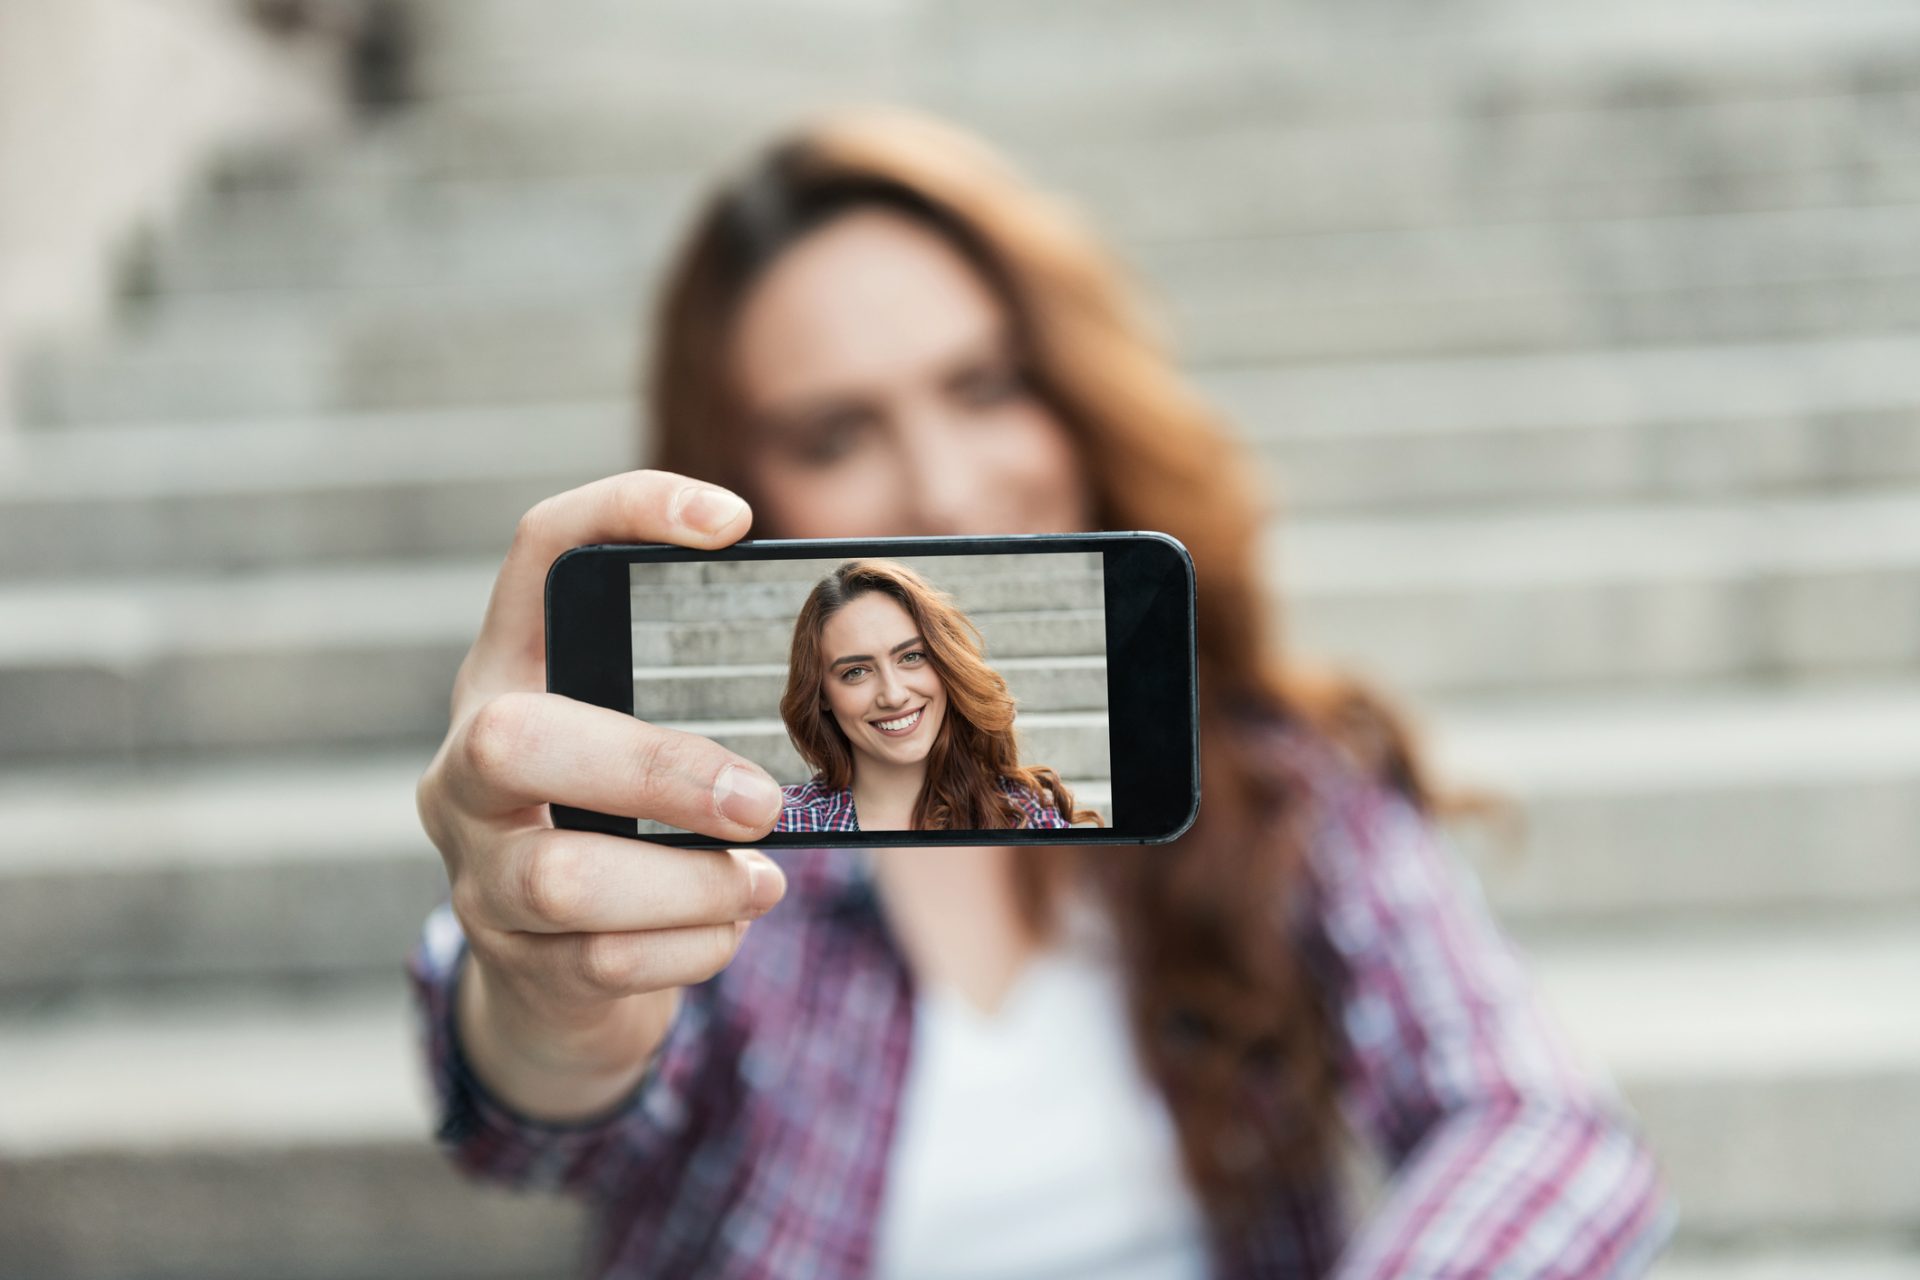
564	956
1508	1157
640	1123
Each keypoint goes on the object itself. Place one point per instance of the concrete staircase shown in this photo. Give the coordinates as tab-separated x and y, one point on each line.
1584	345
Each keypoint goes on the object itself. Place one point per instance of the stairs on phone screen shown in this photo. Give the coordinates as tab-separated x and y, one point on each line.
1583	346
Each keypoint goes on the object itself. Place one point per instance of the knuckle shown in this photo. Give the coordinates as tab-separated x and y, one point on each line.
602	965
552	883
640	499
534	522
728	885
498	732
715	949
469	903
656	758
427	807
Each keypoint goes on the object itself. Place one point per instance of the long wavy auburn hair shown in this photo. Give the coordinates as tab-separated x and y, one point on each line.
1214	930
975	747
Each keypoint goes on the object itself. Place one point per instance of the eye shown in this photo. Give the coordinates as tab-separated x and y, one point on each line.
987	385
832	439
913	653
848	673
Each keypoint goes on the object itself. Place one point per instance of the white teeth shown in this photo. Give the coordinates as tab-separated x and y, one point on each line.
901	723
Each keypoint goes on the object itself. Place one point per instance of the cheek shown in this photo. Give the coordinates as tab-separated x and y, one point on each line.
841	703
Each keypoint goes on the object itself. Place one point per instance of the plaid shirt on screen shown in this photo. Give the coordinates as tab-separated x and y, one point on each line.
756	1145
814	806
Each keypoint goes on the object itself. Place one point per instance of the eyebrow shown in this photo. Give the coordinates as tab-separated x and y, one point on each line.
867	657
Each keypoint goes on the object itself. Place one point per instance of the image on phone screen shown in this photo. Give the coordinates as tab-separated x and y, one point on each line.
985	675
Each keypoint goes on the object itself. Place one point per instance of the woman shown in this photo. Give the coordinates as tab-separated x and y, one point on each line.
908	724
878	329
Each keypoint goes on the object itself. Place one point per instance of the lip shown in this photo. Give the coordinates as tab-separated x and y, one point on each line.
919	715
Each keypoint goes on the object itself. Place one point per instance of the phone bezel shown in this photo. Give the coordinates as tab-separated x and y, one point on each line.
1151	676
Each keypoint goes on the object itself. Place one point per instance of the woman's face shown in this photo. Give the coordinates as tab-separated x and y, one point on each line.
880	682
885	396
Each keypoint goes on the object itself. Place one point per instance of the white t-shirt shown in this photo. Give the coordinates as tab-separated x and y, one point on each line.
1029	1143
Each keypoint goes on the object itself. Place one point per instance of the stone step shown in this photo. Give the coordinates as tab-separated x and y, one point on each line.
1682	811
357	653
1637	594
1609	597
1659	86
168	497
283	868
1232	302
263	358
1587	425
263	1137
1583	426
1796	1115
581	230
1809	1037
516	353
1869	1260
1673	807
765	53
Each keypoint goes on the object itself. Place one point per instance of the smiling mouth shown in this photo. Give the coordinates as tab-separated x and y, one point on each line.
901	725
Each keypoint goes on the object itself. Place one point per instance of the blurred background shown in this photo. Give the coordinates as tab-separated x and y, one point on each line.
1582	341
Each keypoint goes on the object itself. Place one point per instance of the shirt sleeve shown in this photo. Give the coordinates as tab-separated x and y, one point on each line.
1508	1159
489	1141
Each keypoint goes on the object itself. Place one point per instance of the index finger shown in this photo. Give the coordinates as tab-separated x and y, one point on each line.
635	506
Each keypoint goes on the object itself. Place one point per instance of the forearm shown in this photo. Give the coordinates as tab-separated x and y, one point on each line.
546	1068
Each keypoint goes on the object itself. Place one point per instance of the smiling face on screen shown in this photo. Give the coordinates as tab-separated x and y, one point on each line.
887	398
880	682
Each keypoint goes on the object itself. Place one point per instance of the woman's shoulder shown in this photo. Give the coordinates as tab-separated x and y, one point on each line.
814	806
1036	806
813	791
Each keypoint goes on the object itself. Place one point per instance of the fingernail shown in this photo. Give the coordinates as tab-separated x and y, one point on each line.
707	510
766	884
747	796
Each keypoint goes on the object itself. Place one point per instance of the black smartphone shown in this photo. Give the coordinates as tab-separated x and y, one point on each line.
1026	689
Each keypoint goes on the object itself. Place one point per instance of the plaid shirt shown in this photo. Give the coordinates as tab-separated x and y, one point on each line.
756	1144
814	806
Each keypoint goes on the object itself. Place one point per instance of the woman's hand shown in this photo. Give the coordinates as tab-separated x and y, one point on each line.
580	941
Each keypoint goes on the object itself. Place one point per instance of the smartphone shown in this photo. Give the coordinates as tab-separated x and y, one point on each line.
1026	689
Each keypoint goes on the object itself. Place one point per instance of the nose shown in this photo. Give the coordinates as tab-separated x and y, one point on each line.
945	476
892	692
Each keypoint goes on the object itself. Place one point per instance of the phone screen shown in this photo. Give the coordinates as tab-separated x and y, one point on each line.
842	675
